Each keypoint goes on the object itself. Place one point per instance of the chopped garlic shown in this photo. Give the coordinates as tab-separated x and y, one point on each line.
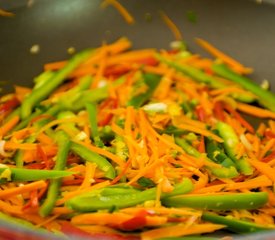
35	49
155	107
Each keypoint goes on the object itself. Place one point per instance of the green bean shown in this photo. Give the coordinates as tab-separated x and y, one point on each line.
19	174
52	83
42	79
123	198
88	155
79	100
152	81
227	201
27	120
221	172
92	113
216	153
234	225
18	157
230	144
63	144
264	97
200	76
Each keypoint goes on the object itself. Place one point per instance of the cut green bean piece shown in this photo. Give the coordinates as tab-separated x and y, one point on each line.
20	174
234	225
230	144
52	83
88	155
265	97
227	201
122	198
63	144
221	172
152	81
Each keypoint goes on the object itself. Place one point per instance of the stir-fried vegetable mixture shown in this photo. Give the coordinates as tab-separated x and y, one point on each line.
144	143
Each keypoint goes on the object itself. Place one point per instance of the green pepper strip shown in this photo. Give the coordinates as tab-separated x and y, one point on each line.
216	153
152	81
253	200
63	144
230	143
19	174
122	198
92	113
79	100
222	172
41	93
88	155
234	225
200	76
266	98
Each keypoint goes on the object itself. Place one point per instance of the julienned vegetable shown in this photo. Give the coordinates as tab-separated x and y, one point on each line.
144	142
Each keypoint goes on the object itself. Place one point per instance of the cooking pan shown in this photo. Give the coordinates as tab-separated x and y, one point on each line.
243	29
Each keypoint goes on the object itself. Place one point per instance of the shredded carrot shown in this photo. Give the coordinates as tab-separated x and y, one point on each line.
8	208
262	167
226	59
255	111
5	13
180	230
89	175
121	9
4	129
203	132
14	146
22	189
172	26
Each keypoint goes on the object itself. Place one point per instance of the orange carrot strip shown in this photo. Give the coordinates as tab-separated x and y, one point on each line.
61	210
255	111
225	58
102	218
15	146
121	9
180	230
7	193
4	129
261	181
8	208
89	175
262	167
43	138
203	132
130	57
5	13
54	65
172	26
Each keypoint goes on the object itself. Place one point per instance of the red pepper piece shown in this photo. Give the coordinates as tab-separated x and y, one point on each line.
103	117
269	134
201	114
218	111
137	222
9	105
269	157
